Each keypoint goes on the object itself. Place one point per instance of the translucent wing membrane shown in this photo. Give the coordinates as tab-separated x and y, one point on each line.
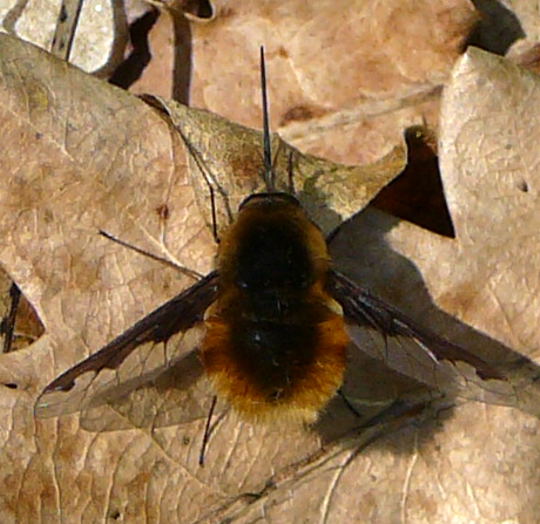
180	393
385	333
150	376
158	353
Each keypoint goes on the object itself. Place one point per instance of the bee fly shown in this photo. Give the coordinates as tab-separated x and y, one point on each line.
274	320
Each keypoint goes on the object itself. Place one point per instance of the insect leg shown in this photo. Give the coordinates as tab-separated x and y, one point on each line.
188	272
207	428
347	402
212	184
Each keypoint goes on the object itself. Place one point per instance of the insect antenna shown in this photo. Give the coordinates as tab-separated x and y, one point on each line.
269	177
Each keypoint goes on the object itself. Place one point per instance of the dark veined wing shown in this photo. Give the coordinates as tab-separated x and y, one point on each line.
385	333
157	352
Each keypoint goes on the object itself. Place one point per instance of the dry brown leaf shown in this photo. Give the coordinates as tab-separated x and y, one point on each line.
100	35
82	156
231	154
336	69
482	467
346	98
94	157
479	463
527	14
19	324
157	77
108	162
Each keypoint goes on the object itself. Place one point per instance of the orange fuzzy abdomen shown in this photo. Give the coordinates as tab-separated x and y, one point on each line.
267	370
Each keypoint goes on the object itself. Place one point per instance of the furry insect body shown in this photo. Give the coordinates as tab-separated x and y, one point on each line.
276	341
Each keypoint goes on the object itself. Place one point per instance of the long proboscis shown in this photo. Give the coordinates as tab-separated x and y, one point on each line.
269	178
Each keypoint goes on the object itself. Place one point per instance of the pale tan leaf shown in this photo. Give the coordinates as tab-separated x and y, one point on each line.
336	69
83	156
231	161
485	458
108	162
